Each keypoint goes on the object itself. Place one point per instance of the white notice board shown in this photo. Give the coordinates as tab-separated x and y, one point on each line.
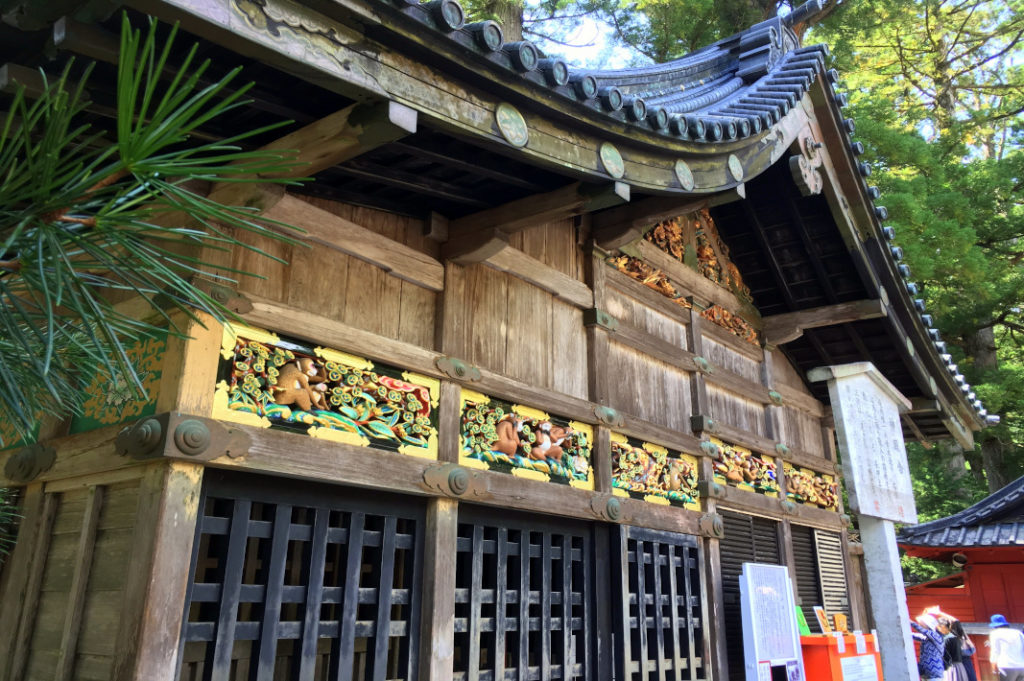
867	409
771	636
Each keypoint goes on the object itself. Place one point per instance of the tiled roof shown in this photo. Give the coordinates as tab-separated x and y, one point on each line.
996	520
733	89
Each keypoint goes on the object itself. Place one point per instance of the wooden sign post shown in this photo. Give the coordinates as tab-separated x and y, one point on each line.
867	415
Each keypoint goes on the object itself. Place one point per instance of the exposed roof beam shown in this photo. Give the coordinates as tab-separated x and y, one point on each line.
427	152
102	46
345	134
479	236
786	327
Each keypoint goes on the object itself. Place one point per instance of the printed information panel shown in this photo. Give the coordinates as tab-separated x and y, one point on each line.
859	668
771	637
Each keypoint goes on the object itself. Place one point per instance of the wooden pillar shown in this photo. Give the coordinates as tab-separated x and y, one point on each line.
154	595
713	592
22	580
437	622
190	367
597	363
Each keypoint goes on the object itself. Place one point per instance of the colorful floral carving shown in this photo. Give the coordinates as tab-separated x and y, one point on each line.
651	277
304	388
809	487
114	400
693	241
508	437
740	467
649	470
727	320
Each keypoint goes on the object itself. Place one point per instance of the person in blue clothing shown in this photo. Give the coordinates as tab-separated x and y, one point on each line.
929	663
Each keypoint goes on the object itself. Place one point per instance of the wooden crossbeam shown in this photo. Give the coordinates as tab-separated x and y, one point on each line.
784	328
476	237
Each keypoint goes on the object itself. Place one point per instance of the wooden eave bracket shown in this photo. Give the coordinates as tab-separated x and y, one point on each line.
787	327
477	237
181	436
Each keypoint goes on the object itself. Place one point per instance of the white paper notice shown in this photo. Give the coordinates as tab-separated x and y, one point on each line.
859	668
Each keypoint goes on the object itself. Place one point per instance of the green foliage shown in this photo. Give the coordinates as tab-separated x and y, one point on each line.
937	92
8	521
83	220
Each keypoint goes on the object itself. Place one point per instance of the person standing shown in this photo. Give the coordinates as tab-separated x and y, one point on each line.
968	649
1007	649
929	663
952	656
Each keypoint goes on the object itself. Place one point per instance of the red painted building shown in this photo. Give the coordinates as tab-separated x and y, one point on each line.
987	540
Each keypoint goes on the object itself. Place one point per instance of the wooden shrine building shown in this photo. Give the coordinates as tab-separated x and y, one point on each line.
525	401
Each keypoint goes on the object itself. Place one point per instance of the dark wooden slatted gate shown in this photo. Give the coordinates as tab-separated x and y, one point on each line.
747	539
300	581
659	606
524	597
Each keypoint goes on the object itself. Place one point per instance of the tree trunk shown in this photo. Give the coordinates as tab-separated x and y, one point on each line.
981	345
508	13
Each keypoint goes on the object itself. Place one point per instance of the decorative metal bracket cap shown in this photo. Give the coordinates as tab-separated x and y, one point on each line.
180	436
709	489
457	369
776	397
789	507
709	448
225	295
453	480
606	507
711	525
596	317
703	365
609	416
28	463
782	450
703	424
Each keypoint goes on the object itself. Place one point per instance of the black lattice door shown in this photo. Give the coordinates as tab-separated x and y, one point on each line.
304	582
523	600
660	606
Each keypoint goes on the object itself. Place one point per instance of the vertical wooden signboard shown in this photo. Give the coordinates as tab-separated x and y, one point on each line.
867	415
